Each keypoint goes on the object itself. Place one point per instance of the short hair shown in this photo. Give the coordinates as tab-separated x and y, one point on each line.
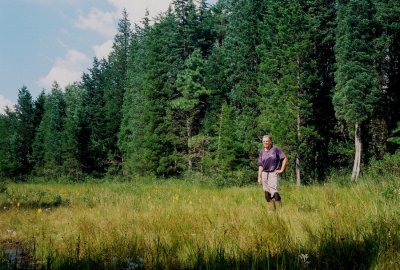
267	136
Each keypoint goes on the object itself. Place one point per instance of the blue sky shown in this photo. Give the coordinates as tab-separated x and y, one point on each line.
47	40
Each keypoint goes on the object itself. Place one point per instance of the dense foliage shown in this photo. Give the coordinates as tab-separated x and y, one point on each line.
194	89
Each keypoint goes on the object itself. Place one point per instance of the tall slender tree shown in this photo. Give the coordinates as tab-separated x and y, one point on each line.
75	137
24	131
8	160
132	131
357	89
47	147
115	85
192	99
285	86
94	83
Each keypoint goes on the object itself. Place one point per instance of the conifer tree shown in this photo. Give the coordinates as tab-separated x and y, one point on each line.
387	59
38	107
47	147
75	133
285	87
243	35
357	90
164	61
94	84
115	85
8	159
192	99
131	136
24	131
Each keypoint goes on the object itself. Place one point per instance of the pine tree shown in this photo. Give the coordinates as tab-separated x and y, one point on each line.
8	159
132	132
192	99
164	61
47	147
75	137
24	131
286	85
357	90
387	59
38	108
241	64
115	85
94	83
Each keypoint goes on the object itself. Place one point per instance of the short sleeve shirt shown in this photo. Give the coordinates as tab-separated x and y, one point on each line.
270	159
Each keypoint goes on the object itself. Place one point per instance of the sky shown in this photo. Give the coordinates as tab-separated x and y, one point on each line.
43	41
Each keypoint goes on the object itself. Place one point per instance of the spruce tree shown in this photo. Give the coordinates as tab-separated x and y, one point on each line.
241	64
94	84
75	133
190	103
357	89
115	85
8	159
285	86
387	59
24	131
132	131
47	147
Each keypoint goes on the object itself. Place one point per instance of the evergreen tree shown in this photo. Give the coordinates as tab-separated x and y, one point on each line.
131	136
75	137
93	82
162	151
387	62
357	90
285	87
115	85
243	35
47	147
192	99
24	131
38	108
8	159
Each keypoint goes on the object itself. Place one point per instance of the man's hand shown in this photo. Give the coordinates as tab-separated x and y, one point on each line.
259	180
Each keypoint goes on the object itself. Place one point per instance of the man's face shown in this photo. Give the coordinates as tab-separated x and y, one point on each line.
267	142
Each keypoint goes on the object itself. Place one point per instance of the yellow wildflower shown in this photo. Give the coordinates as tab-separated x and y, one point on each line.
39	210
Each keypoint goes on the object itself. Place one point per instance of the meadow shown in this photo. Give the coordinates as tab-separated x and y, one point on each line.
181	224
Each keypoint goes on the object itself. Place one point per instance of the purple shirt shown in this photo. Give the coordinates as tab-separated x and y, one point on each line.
270	159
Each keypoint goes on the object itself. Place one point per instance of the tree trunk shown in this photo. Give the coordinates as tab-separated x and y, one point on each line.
298	175
220	130
357	156
189	135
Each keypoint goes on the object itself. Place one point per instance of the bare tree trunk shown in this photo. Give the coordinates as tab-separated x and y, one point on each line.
189	135
220	130
357	156
298	175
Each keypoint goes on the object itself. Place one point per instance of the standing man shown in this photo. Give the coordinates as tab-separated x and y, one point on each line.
271	163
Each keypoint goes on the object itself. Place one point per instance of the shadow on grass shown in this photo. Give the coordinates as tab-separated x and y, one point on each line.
357	250
33	201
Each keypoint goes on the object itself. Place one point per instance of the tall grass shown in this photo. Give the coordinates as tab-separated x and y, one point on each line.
180	225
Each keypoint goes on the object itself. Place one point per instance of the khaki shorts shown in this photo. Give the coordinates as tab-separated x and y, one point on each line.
270	182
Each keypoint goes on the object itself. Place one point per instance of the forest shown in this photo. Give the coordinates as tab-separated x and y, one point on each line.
193	90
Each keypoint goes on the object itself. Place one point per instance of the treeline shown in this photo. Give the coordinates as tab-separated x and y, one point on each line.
194	90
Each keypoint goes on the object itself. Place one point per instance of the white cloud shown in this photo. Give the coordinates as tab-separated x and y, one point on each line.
136	9
5	102
103	50
66	70
99	21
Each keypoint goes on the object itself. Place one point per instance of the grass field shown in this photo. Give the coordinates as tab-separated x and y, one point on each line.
177	224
